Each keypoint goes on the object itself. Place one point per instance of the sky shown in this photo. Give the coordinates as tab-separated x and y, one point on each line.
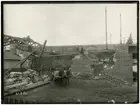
70	24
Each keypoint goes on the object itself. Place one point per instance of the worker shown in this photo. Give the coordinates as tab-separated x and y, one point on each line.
68	72
55	74
134	70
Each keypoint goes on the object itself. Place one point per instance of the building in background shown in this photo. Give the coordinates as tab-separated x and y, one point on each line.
10	60
132	50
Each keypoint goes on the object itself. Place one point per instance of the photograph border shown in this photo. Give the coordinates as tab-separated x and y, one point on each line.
63	2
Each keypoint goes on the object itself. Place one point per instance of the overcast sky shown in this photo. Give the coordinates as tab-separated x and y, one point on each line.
70	24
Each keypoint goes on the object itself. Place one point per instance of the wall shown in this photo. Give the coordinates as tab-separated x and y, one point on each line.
132	49
10	63
122	68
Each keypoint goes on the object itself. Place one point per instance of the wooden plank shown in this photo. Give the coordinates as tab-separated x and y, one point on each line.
29	86
15	85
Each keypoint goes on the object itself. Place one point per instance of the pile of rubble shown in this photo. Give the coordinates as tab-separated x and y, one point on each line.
103	75
19	79
115	81
77	57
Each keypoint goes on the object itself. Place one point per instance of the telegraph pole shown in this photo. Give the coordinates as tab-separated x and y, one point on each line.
106	26
124	40
120	30
110	39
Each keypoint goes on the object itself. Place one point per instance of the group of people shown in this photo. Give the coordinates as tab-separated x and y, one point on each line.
61	75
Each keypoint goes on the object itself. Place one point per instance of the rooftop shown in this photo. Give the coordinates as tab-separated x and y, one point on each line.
10	56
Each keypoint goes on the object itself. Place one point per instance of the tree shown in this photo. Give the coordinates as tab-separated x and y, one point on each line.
130	40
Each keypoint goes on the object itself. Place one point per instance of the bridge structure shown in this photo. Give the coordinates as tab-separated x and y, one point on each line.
24	44
23	47
17	40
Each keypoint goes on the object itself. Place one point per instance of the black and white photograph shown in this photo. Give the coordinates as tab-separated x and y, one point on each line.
70	52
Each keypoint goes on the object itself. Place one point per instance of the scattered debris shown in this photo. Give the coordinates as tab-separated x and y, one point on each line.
125	102
75	73
14	74
96	77
79	101
77	57
17	85
111	101
105	66
19	79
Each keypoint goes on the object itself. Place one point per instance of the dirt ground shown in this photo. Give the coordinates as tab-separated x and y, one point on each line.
85	90
94	91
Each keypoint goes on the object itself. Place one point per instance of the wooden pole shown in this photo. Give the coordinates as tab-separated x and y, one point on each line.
124	40
120	30
110	39
106	27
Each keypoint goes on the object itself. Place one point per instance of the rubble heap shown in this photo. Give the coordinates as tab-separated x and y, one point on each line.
18	79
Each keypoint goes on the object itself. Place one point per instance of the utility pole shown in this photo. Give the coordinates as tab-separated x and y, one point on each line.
124	40
110	39
120	30
106	26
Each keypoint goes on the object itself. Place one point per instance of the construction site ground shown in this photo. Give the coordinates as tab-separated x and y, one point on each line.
85	90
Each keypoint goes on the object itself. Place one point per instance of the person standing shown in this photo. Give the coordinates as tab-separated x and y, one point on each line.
134	70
